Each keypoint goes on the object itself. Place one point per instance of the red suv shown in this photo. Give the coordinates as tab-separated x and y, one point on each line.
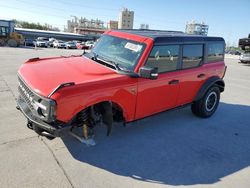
128	75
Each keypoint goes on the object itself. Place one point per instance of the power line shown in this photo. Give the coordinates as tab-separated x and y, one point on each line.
77	5
67	17
52	7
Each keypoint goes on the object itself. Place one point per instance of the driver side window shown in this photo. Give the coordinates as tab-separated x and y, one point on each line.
165	58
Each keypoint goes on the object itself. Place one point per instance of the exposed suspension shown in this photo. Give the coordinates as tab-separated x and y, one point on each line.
85	121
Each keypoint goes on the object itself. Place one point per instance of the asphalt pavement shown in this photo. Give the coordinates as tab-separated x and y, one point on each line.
169	149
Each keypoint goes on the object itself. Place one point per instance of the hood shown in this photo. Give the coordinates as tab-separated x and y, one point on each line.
41	41
44	75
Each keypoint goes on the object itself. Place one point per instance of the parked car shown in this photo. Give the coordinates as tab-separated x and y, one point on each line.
81	45
51	41
70	45
42	42
128	75
234	52
59	44
245	57
28	42
89	44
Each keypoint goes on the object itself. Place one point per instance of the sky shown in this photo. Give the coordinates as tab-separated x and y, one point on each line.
226	18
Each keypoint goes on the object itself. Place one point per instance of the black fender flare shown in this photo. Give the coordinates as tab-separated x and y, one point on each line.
215	80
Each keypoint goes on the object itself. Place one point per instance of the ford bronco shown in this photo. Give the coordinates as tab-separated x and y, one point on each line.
128	75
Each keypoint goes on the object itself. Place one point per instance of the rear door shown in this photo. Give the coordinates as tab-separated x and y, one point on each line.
160	94
192	73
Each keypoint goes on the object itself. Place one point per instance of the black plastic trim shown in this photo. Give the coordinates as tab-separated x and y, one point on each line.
67	84
209	82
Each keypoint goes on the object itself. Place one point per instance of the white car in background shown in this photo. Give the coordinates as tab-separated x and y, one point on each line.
59	44
89	44
41	42
245	57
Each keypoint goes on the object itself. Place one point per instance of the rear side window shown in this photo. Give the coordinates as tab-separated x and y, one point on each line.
165	58
215	52
192	55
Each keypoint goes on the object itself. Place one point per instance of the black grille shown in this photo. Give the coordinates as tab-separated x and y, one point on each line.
26	93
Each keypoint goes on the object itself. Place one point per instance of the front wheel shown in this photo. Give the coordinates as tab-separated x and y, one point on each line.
207	105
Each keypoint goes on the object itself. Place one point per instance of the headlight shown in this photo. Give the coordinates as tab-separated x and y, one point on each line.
46	109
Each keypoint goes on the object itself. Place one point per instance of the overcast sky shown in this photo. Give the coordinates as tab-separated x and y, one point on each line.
226	18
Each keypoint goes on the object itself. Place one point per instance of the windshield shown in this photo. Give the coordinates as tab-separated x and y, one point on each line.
42	39
124	52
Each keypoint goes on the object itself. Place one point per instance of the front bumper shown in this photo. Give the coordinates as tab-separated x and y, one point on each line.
61	46
245	59
41	45
56	128
72	47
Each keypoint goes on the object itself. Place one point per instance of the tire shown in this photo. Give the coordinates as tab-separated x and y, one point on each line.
207	105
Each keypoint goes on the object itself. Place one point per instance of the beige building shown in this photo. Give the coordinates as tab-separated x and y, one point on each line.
144	26
196	28
112	24
126	19
85	26
88	31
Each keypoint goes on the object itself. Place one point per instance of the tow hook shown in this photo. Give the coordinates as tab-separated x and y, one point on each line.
29	125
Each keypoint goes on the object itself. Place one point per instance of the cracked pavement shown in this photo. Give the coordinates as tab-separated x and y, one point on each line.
166	150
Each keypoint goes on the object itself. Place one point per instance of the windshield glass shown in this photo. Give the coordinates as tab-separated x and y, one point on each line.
124	52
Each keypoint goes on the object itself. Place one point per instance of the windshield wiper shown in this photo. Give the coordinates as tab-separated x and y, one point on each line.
116	65
107	61
94	57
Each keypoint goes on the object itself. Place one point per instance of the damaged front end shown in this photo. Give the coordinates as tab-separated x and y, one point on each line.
41	115
39	111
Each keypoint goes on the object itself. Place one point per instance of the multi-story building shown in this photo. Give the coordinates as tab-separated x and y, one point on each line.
196	28
126	19
144	26
85	26
112	24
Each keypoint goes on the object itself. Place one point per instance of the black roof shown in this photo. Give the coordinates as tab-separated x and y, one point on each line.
160	36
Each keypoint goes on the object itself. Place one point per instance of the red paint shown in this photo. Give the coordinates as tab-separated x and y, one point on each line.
95	83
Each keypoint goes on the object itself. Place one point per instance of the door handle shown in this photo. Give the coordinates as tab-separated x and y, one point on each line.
173	82
201	75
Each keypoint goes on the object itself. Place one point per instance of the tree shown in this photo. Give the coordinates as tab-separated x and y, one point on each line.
28	25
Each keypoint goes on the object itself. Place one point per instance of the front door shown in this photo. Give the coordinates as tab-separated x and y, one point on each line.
160	94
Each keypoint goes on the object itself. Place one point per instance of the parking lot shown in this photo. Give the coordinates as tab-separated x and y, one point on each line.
169	149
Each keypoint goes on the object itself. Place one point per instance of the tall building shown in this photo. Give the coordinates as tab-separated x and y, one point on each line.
196	28
112	24
126	19
85	26
144	26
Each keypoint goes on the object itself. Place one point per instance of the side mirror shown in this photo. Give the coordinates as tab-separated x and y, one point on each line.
148	72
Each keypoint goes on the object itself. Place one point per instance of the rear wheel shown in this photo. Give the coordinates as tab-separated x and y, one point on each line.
207	105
